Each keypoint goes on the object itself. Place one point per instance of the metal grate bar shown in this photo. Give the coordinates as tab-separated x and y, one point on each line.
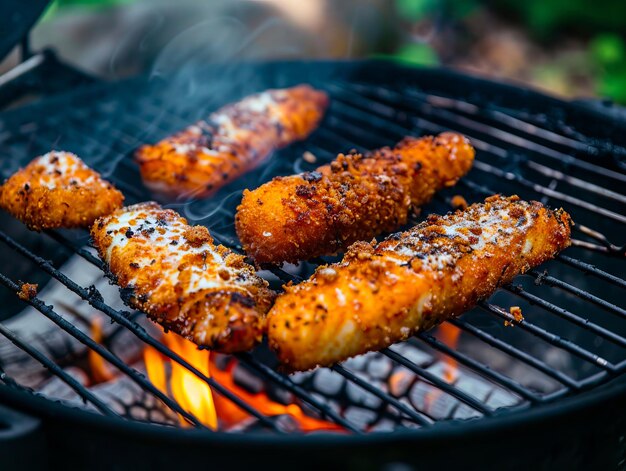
480	368
502	118
549	337
411	413
93	297
285	382
298	391
400	131
83	338
337	137
366	118
334	136
592	270
402	101
516	353
576	182
9	381
549	192
83	392
565	314
439	383
606	248
544	278
381	120
477	143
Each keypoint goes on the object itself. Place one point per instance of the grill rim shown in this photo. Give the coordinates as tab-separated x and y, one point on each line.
493	86
567	407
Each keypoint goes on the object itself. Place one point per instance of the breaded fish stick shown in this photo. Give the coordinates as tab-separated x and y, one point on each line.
176	275
354	198
204	157
58	190
381	294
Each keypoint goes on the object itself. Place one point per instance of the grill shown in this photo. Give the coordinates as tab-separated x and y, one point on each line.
570	348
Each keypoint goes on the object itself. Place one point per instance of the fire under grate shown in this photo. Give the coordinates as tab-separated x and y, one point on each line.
572	337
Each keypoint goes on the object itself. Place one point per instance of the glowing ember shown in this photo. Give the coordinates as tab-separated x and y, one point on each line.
449	335
231	415
193	394
100	369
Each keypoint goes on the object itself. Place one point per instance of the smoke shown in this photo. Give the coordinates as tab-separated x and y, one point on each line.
203	210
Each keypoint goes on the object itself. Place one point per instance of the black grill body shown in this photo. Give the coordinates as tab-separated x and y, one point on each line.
373	104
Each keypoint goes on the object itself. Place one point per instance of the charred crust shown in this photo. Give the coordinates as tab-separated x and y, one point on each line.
128	294
312	176
94	294
305	191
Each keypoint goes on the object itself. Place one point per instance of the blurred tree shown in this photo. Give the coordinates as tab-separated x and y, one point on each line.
547	17
608	53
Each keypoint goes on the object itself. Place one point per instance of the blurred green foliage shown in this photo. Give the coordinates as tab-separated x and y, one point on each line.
415	54
608	53
414	10
547	17
57	5
603	22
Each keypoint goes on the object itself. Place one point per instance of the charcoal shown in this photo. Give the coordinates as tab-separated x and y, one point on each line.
361	418
362	397
463	411
400	381
246	379
413	354
384	425
287	423
278	394
328	382
300	377
379	367
357	363
474	386
501	398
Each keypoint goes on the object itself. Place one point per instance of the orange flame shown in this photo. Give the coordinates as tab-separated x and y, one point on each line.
450	336
195	396
100	369
231	415
192	393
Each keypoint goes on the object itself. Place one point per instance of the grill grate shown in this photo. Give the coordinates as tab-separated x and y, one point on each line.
518	152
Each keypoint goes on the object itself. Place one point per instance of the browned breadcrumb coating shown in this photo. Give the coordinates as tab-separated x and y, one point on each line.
27	291
458	202
356	197
204	157
516	312
384	293
58	190
176	275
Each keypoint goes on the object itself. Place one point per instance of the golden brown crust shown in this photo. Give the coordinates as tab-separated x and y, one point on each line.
27	291
176	275
381	294
202	158
58	190
356	197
